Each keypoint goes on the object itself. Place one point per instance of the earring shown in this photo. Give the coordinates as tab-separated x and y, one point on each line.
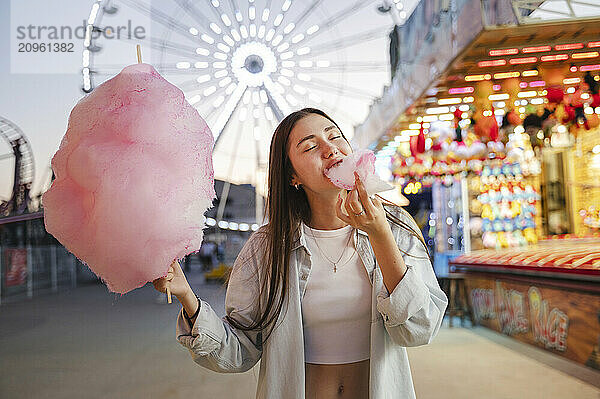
297	186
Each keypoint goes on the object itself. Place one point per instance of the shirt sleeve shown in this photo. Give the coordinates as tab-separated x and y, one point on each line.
212	341
413	311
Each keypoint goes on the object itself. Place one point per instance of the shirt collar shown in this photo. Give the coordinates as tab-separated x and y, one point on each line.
300	238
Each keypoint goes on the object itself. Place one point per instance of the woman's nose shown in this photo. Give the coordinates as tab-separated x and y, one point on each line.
330	150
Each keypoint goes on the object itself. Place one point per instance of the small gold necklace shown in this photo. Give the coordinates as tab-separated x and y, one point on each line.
335	264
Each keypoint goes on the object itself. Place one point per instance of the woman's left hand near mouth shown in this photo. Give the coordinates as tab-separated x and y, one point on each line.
362	212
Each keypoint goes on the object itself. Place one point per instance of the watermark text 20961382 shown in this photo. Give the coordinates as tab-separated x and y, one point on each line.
45	47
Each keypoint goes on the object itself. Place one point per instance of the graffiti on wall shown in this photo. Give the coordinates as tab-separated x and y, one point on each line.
508	307
511	310
549	328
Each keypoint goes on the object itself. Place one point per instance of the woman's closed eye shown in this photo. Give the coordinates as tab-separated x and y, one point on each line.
314	146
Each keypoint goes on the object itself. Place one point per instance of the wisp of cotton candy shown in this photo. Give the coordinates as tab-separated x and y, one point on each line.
362	162
134	177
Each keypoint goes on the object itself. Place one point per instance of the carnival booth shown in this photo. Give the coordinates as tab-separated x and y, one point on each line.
507	136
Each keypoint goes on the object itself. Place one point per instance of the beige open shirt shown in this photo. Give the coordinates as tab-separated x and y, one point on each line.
410	316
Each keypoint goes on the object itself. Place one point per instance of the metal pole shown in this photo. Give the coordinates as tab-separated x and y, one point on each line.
273	105
29	273
465	213
53	271
223	198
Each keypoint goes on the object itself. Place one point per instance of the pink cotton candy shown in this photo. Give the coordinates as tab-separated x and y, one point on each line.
362	162
134	178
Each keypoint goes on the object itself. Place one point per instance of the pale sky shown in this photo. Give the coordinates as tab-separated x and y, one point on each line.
39	103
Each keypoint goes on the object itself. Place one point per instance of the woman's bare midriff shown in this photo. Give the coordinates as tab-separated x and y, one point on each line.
337	381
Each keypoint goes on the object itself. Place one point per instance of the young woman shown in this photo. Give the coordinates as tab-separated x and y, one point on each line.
328	294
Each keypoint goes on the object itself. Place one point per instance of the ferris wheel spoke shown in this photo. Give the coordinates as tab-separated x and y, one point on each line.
309	100
268	113
278	102
174	71
215	11
342	44
291	97
161	44
103	72
301	36
210	98
348	117
326	86
159	16
278	21
108	68
194	84
171	47
205	82
305	14
362	67
274	122
232	17
267	6
344	91
263	18
228	110
272	104
192	10
220	99
166	69
209	118
206	23
339	17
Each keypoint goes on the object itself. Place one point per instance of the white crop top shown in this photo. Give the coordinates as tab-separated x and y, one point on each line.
336	308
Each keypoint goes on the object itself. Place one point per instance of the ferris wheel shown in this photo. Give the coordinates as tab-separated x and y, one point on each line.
20	157
246	64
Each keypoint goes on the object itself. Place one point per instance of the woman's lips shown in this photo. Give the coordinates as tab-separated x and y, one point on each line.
334	165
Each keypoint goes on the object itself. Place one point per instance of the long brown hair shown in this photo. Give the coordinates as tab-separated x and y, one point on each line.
286	207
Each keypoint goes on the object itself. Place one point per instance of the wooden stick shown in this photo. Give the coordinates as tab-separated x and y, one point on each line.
168	290
169	293
139	56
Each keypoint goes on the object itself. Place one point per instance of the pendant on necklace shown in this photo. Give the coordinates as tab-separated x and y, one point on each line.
334	268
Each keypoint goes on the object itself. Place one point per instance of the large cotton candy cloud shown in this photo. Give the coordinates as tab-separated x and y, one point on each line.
134	178
362	162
